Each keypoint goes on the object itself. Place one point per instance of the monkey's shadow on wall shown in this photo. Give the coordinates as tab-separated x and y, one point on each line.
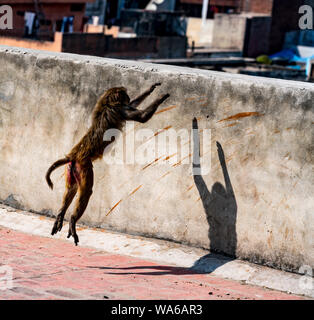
220	207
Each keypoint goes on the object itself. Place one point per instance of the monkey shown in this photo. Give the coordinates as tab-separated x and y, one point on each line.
111	111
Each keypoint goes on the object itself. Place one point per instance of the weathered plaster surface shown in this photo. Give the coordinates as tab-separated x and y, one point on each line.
265	127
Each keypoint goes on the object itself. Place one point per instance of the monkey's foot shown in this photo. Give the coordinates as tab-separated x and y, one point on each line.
74	235
57	225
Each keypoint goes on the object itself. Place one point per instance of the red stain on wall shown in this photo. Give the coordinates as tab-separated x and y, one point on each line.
241	115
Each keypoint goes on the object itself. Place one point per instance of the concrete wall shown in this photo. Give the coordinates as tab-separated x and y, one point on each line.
55	45
229	31
103	45
257	39
146	47
249	32
200	34
85	43
256	204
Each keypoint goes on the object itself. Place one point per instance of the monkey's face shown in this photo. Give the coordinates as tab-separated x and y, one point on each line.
117	97
125	98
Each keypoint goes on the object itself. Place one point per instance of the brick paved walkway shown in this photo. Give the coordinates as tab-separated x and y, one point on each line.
45	268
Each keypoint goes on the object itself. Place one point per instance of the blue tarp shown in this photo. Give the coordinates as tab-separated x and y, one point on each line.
287	54
292	56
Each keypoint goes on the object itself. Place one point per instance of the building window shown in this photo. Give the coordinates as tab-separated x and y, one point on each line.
77	7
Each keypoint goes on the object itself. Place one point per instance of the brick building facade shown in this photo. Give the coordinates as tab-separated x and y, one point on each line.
237	6
284	16
51	14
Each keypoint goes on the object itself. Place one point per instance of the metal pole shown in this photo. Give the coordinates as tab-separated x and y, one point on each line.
204	11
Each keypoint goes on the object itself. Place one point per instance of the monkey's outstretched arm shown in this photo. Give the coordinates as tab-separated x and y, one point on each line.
142	116
137	101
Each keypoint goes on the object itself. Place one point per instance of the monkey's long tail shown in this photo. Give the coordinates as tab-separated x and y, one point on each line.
54	166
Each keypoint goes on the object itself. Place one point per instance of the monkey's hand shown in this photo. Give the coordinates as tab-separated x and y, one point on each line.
154	86
166	96
163	98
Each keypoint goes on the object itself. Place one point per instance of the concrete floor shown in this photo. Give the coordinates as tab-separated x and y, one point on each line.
109	265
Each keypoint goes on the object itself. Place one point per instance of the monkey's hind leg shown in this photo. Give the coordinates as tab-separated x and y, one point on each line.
69	194
85	192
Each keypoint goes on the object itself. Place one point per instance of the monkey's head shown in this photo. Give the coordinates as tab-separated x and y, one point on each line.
116	97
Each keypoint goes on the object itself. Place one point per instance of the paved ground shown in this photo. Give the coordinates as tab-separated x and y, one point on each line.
46	268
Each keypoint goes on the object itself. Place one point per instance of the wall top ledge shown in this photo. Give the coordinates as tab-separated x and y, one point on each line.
160	68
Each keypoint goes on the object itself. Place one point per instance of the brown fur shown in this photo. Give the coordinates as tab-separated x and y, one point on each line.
111	111
105	116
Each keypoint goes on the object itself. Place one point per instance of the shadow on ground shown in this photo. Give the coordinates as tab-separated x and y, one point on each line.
158	270
206	264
